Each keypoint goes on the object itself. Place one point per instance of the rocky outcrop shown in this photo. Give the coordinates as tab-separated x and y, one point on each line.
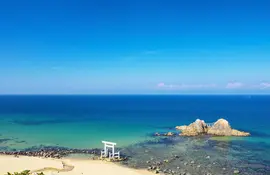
220	128
169	134
196	128
181	128
223	128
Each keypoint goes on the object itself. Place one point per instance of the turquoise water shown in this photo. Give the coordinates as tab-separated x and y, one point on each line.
83	121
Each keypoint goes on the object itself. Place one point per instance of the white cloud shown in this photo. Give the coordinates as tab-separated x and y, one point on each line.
186	86
234	85
230	85
265	85
161	85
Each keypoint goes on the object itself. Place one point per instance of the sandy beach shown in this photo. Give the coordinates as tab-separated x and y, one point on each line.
86	167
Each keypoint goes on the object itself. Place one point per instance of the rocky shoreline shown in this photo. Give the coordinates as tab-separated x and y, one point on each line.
173	156
51	152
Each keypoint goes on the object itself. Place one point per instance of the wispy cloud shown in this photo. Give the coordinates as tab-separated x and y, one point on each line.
234	85
150	52
161	85
56	67
185	86
228	86
264	85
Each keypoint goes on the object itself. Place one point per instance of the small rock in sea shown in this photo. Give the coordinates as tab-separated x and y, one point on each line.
157	134
207	157
223	169
152	158
178	167
169	134
147	161
214	163
166	160
176	156
183	173
185	163
192	162
198	166
188	174
236	172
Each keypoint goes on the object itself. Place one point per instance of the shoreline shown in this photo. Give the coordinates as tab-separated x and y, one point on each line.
169	155
10	163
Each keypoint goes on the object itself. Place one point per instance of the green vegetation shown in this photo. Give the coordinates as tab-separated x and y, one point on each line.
26	172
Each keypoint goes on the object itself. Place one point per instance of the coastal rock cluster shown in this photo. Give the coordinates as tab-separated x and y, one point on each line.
50	152
158	167
220	128
196	128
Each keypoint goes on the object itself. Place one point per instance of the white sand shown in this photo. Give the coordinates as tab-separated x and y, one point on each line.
85	167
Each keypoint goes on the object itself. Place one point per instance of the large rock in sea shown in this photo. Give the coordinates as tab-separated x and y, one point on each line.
223	128
196	128
220	128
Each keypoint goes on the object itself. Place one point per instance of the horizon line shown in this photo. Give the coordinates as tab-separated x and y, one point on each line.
209	94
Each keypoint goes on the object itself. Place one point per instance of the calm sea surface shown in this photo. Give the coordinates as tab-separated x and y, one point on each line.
83	121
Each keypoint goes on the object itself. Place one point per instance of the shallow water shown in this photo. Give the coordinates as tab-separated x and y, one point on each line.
200	155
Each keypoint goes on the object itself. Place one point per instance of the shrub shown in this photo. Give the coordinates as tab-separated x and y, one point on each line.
26	172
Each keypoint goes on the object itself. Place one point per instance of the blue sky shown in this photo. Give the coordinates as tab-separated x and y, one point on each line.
134	47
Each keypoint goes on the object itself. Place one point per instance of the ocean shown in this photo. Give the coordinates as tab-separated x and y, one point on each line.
83	121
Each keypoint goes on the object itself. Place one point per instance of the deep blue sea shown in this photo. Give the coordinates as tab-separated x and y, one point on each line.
84	121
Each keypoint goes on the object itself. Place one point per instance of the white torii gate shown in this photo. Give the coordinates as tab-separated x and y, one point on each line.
105	152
